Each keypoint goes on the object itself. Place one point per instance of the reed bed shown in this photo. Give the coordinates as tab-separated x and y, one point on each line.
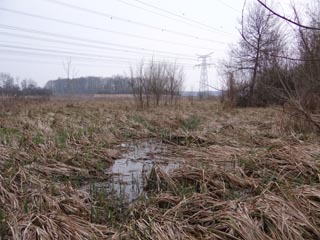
37	209
243	177
228	207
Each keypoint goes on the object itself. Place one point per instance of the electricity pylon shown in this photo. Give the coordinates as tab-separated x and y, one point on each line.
204	84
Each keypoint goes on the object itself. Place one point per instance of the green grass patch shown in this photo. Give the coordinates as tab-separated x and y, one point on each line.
138	119
38	139
62	138
191	123
8	134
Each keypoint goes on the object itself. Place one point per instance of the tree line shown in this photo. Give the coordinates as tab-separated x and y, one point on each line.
155	82
273	64
90	85
10	87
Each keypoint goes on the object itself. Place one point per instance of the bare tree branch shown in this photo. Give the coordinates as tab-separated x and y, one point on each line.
287	19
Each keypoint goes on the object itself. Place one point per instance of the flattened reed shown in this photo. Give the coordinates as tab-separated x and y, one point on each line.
242	177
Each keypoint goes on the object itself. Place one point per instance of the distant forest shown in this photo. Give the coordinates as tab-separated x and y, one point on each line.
90	85
11	87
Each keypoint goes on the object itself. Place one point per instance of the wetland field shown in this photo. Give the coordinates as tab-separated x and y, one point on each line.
103	169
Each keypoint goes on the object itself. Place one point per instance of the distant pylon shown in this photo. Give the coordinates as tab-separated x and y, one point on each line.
204	84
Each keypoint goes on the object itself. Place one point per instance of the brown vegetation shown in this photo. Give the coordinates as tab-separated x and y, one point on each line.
155	82
246	175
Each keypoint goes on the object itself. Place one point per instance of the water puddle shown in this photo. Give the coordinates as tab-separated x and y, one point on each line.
128	173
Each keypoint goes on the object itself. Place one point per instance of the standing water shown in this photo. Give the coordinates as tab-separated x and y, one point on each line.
128	173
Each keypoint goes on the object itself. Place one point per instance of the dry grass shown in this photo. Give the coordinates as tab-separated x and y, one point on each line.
245	176
37	209
226	206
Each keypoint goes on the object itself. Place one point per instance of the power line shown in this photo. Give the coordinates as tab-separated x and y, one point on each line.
182	17
136	56
41	60
50	55
55	52
94	41
68	37
153	12
91	46
113	17
76	62
97	28
228	6
66	52
168	17
31	61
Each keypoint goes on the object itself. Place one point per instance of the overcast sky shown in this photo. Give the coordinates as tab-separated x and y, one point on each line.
106	37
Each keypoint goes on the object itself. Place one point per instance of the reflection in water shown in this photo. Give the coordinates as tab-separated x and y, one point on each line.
128	174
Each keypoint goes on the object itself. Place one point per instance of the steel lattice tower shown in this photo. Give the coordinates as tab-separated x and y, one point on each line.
204	84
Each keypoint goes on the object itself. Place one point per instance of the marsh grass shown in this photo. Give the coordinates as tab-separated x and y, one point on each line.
109	209
245	176
191	123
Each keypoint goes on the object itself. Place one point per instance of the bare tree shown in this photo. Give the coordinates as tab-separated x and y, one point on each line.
70	71
28	84
157	73
156	81
299	78
231	90
291	21
7	85
175	75
307	73
260	41
138	84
